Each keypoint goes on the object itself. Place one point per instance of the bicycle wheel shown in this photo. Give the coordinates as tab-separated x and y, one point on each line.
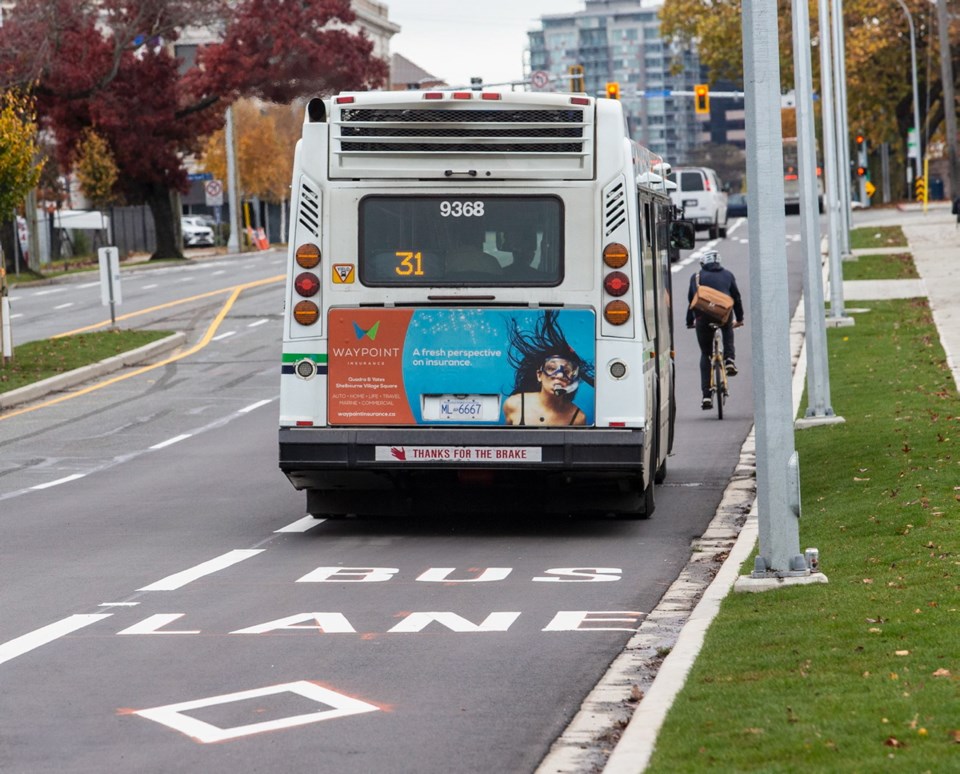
720	393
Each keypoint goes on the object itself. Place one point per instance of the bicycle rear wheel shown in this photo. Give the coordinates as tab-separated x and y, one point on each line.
720	394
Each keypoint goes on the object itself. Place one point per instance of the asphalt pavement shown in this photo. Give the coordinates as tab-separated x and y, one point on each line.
934	241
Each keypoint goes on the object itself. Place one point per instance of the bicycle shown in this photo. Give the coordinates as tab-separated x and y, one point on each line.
719	389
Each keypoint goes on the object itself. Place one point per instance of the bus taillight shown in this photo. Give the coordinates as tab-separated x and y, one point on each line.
615	255
307	284
616	312
307	256
306	312
616	283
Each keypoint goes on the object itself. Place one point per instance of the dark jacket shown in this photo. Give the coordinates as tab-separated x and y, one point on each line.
716	277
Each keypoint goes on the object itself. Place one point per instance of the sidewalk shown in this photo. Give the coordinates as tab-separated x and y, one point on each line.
934	241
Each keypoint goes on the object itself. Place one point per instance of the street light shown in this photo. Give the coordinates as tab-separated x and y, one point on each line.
913	65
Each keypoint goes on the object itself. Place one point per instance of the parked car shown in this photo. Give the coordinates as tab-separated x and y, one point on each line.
699	193
737	206
195	232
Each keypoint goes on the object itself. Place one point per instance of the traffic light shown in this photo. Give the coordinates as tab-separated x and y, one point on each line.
861	171
860	139
576	79
613	90
701	98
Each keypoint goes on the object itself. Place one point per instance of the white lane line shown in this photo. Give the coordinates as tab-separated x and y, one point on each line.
226	335
48	292
27	642
64	306
219	271
118	604
171	441
15	316
88	285
301	525
59	481
150	287
253	406
180	579
258	322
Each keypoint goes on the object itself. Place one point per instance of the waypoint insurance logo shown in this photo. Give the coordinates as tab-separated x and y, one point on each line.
398	452
370	333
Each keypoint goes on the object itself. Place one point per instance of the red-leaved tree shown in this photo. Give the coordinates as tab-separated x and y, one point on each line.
110	65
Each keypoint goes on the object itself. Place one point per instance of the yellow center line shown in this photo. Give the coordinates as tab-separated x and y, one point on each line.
207	337
188	299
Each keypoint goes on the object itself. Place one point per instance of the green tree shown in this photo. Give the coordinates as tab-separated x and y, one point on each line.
19	165
877	47
96	170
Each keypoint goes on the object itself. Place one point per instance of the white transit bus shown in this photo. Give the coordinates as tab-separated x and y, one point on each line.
478	307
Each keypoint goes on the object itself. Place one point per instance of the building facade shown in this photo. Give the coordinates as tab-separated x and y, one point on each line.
619	41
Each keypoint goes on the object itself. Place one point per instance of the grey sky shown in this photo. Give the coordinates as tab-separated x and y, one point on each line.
455	40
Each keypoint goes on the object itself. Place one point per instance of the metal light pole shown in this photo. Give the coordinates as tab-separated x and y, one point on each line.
819	410
778	475
843	129
233	190
946	75
831	173
916	101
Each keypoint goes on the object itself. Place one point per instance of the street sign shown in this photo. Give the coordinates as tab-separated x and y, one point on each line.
200	176
213	189
539	79
870	188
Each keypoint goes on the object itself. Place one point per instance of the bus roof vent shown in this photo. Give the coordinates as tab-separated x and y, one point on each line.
402	135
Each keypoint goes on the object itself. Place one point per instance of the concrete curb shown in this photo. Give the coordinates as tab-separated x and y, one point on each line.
70	379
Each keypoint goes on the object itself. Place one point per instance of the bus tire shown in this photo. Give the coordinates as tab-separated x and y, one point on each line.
714	231
642	509
661	473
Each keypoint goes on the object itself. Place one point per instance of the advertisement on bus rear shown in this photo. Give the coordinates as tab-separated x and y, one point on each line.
467	367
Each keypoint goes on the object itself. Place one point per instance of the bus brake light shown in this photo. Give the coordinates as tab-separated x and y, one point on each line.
616	283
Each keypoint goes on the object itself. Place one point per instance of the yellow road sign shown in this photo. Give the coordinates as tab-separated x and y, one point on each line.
870	188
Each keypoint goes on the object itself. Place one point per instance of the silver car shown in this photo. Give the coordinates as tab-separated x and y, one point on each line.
195	232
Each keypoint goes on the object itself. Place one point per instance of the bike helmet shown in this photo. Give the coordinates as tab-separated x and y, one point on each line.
709	258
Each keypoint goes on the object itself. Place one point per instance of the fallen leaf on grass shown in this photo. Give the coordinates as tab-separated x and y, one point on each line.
892	741
942	672
902	652
868	580
855	478
955	735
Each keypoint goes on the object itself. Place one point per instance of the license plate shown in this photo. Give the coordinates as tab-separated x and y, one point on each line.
689	202
461	408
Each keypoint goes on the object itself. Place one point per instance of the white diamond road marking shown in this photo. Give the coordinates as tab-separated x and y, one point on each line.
336	706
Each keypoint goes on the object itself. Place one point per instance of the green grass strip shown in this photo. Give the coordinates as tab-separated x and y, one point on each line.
37	360
877	236
861	674
875	267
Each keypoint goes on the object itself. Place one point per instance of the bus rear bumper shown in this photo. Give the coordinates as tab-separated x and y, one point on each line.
341	473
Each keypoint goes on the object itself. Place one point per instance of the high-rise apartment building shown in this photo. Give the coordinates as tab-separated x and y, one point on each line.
619	41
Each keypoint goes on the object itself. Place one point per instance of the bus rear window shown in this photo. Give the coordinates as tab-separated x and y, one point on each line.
461	240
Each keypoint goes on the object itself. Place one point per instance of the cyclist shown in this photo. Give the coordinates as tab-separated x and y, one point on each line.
712	274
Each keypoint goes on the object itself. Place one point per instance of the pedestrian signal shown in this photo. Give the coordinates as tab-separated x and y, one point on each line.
613	90
701	98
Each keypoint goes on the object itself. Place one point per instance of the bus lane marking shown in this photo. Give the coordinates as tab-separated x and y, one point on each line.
27	642
180	579
334	705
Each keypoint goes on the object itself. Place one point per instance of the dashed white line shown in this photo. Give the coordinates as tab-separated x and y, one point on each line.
59	481
301	525
181	579
171	441
222	336
88	285
150	287
64	306
27	642
253	406
49	292
118	604
258	322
